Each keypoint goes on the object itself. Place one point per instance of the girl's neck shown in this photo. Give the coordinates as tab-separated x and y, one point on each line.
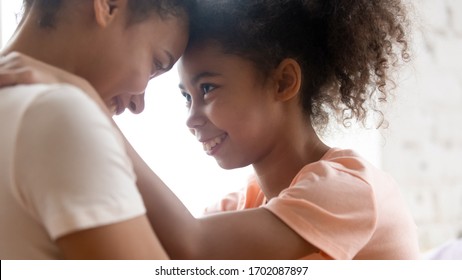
276	172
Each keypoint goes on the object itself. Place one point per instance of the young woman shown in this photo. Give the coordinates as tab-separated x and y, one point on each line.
67	187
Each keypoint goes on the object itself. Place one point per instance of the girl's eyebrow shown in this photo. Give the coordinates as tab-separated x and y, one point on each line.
199	76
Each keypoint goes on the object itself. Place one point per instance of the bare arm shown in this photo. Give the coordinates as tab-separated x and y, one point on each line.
249	234
132	239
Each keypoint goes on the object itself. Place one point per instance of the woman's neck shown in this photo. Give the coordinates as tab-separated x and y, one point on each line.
54	46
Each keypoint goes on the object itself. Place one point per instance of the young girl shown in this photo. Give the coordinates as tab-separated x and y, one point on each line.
259	77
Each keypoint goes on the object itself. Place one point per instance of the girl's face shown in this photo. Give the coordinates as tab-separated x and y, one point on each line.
232	111
127	57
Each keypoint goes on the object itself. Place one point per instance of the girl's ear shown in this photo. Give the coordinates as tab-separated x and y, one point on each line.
288	78
106	11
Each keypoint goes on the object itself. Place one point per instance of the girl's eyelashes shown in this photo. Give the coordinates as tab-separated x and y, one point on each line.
206	88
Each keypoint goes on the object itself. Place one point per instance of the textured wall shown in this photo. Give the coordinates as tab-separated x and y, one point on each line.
423	150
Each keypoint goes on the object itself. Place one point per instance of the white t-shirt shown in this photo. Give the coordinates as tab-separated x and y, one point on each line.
63	168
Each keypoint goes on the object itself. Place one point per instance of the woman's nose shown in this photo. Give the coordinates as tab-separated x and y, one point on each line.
136	104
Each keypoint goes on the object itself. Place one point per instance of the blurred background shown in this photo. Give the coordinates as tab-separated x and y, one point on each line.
421	148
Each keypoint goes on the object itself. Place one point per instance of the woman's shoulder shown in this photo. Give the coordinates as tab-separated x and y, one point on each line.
46	98
39	90
58	104
63	113
61	96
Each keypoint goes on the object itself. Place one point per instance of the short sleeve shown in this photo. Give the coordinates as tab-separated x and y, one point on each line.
328	207
71	167
230	202
246	198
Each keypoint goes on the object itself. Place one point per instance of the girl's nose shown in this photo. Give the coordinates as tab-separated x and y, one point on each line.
196	117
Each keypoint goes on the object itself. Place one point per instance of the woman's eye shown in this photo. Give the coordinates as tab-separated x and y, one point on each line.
158	66
206	88
186	96
157	69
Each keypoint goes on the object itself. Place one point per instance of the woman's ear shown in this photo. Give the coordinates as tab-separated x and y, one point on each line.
288	77
106	11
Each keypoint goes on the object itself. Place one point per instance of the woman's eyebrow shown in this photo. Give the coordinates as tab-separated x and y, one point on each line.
171	61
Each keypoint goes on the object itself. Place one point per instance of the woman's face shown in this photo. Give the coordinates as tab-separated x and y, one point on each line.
232	111
129	56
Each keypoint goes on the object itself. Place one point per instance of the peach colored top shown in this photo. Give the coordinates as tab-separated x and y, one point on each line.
341	204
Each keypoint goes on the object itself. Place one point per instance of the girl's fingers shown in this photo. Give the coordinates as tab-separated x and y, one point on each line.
8	78
23	75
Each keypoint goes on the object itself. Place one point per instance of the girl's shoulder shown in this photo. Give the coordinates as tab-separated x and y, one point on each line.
341	164
344	172
340	159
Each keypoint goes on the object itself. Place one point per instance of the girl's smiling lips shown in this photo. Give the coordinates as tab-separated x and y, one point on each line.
211	145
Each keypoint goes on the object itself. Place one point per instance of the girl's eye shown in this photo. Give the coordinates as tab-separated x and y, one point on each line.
206	88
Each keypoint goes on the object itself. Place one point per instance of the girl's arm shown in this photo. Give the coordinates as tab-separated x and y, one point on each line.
249	234
131	239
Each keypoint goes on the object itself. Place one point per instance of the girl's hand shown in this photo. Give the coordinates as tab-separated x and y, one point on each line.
17	68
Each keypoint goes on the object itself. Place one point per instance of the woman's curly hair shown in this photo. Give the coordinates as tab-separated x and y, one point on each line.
346	48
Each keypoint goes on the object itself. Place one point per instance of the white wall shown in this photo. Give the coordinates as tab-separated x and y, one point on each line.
8	18
424	143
